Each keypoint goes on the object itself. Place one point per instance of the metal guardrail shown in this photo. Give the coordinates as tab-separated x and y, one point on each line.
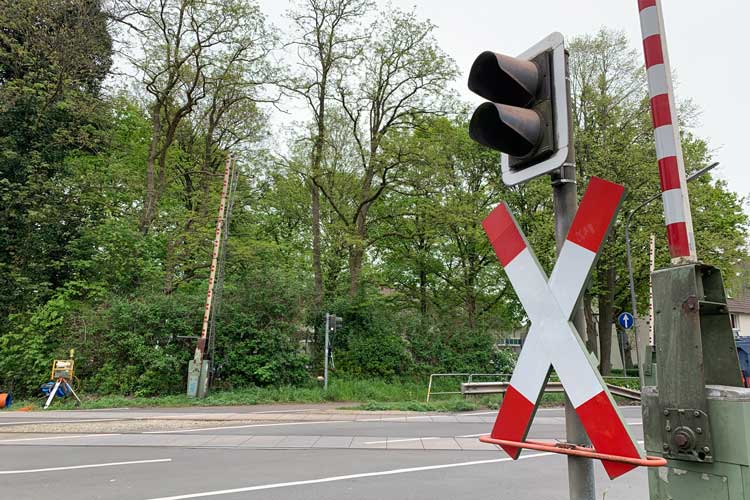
469	379
472	388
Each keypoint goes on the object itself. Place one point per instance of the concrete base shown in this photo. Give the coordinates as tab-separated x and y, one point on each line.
198	373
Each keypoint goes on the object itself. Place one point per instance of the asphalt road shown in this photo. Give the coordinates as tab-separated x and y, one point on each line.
298	452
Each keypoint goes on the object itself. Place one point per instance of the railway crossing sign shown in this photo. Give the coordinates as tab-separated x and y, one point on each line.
552	341
625	320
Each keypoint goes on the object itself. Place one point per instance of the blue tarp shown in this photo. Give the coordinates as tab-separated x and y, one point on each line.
743	352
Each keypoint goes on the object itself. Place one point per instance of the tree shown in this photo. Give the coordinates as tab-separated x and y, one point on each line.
401	76
326	43
53	59
185	47
614	140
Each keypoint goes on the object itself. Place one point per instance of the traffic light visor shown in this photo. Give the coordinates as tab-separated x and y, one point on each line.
514	131
504	79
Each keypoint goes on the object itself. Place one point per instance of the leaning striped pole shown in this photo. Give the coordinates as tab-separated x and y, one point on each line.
200	348
666	132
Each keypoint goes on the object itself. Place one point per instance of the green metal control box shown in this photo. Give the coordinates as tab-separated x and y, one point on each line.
696	412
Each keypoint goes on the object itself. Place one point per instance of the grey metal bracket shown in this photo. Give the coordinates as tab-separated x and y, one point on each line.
687	435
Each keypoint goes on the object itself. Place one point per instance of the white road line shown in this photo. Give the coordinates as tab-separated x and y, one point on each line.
95	409
275	411
345	478
248	426
61	421
636	423
281	424
56	437
399	440
472	435
90	466
389	419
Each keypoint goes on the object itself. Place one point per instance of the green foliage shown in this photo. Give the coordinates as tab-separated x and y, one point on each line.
108	202
53	59
26	345
370	342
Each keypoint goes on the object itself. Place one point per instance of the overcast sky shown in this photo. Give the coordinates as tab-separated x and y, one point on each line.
707	42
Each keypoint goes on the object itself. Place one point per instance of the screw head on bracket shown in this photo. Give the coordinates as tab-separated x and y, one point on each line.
666	413
696	413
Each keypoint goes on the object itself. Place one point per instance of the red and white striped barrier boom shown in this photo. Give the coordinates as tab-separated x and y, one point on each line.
666	131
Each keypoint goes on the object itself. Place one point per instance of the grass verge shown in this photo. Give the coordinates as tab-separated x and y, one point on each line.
374	394
397	391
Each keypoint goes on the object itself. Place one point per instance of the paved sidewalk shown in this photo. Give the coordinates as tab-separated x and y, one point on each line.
248	441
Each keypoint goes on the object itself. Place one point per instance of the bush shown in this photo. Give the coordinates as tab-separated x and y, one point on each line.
369	344
256	332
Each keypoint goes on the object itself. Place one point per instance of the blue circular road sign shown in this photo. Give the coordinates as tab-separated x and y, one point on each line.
625	320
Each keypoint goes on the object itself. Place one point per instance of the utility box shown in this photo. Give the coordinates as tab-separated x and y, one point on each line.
696	410
727	475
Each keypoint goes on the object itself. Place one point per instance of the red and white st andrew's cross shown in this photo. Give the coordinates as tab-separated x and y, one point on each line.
552	341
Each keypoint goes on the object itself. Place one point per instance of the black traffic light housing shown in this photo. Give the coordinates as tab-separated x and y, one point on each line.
527	116
334	322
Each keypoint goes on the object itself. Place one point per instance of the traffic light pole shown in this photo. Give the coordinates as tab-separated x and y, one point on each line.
581	482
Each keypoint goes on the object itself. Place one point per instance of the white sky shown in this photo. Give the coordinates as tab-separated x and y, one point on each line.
707	42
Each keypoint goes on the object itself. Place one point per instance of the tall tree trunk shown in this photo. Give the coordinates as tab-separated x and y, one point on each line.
422	292
606	298
317	266
592	338
356	255
317	161
357	252
149	203
471	308
628	362
471	295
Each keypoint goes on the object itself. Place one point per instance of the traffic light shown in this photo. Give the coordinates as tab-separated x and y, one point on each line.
527	116
334	322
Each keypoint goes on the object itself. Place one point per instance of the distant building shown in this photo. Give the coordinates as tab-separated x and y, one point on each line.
739	315
512	343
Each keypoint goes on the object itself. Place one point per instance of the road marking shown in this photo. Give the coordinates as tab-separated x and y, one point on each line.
56	437
399	440
279	424
90	466
636	423
61	421
472	435
248	426
276	411
345	478
389	419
